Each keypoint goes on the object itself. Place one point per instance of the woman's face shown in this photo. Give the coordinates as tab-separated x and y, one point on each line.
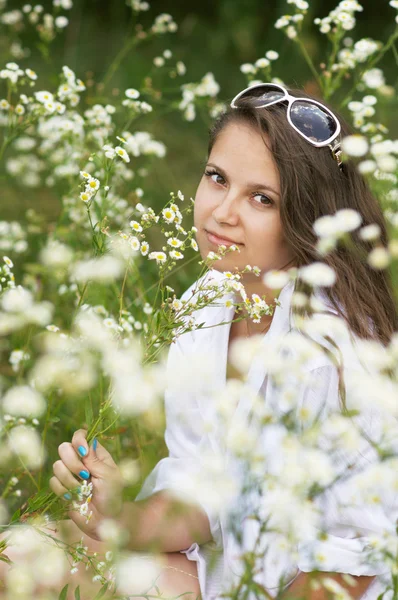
238	203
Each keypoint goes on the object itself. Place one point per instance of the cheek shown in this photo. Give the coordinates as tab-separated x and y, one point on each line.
266	235
202	207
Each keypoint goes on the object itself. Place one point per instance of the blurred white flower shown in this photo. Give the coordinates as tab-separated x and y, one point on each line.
276	279
367	166
347	219
379	258
370	232
325	226
56	254
103	269
23	401
386	163
25	442
61	22
355	145
137	573
132	93
248	68
17	299
374	78
318	274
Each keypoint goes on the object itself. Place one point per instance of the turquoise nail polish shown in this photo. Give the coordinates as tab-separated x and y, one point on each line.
84	474
95	442
82	451
68	496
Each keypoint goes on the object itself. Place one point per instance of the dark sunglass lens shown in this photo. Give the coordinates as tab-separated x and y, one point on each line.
261	96
312	121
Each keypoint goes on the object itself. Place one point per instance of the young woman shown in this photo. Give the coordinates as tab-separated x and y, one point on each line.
274	167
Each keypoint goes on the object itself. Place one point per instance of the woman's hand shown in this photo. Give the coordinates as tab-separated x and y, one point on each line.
94	464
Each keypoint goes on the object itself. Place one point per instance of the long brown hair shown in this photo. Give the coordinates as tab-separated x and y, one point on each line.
312	185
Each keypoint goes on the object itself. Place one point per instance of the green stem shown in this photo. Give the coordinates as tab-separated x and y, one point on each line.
310	63
142	296
4	145
130	43
395	52
328	81
122	293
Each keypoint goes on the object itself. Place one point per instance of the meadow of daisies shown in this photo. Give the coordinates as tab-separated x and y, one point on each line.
88	308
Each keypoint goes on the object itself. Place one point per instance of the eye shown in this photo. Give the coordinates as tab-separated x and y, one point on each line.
211	173
264	200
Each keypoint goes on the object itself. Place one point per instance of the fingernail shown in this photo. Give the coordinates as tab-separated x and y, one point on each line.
68	496
82	451
95	442
84	474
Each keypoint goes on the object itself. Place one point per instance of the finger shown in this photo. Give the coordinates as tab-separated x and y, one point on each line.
95	452
64	475
59	489
79	442
72	461
99	451
90	527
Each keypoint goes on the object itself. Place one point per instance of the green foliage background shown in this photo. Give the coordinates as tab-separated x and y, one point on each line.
212	36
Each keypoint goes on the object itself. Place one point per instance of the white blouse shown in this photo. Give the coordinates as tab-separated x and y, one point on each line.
194	437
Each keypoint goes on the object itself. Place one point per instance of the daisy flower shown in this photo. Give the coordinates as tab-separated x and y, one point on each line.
136	226
8	262
168	215
122	153
132	93
49	106
176	255
92	184
31	74
176	304
160	257
44	97
194	245
85	196
174	242
144	248
134	243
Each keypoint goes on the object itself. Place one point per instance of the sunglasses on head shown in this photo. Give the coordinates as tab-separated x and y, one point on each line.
311	119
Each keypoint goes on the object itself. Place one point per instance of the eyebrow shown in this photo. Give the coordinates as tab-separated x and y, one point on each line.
263	186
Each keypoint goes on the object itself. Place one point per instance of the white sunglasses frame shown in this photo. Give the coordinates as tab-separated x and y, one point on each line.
335	148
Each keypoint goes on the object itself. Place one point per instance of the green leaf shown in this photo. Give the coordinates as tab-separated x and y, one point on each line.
16	515
63	593
77	593
101	592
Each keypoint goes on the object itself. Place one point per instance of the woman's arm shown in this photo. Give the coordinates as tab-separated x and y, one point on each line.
163	523
301	589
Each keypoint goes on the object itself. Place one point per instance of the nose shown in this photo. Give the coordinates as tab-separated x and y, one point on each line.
227	210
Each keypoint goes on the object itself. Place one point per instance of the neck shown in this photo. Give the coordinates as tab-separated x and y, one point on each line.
257	328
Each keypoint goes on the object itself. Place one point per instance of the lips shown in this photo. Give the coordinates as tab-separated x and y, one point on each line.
219	240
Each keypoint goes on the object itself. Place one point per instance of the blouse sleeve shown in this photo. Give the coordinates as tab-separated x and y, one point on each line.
183	471
355	515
